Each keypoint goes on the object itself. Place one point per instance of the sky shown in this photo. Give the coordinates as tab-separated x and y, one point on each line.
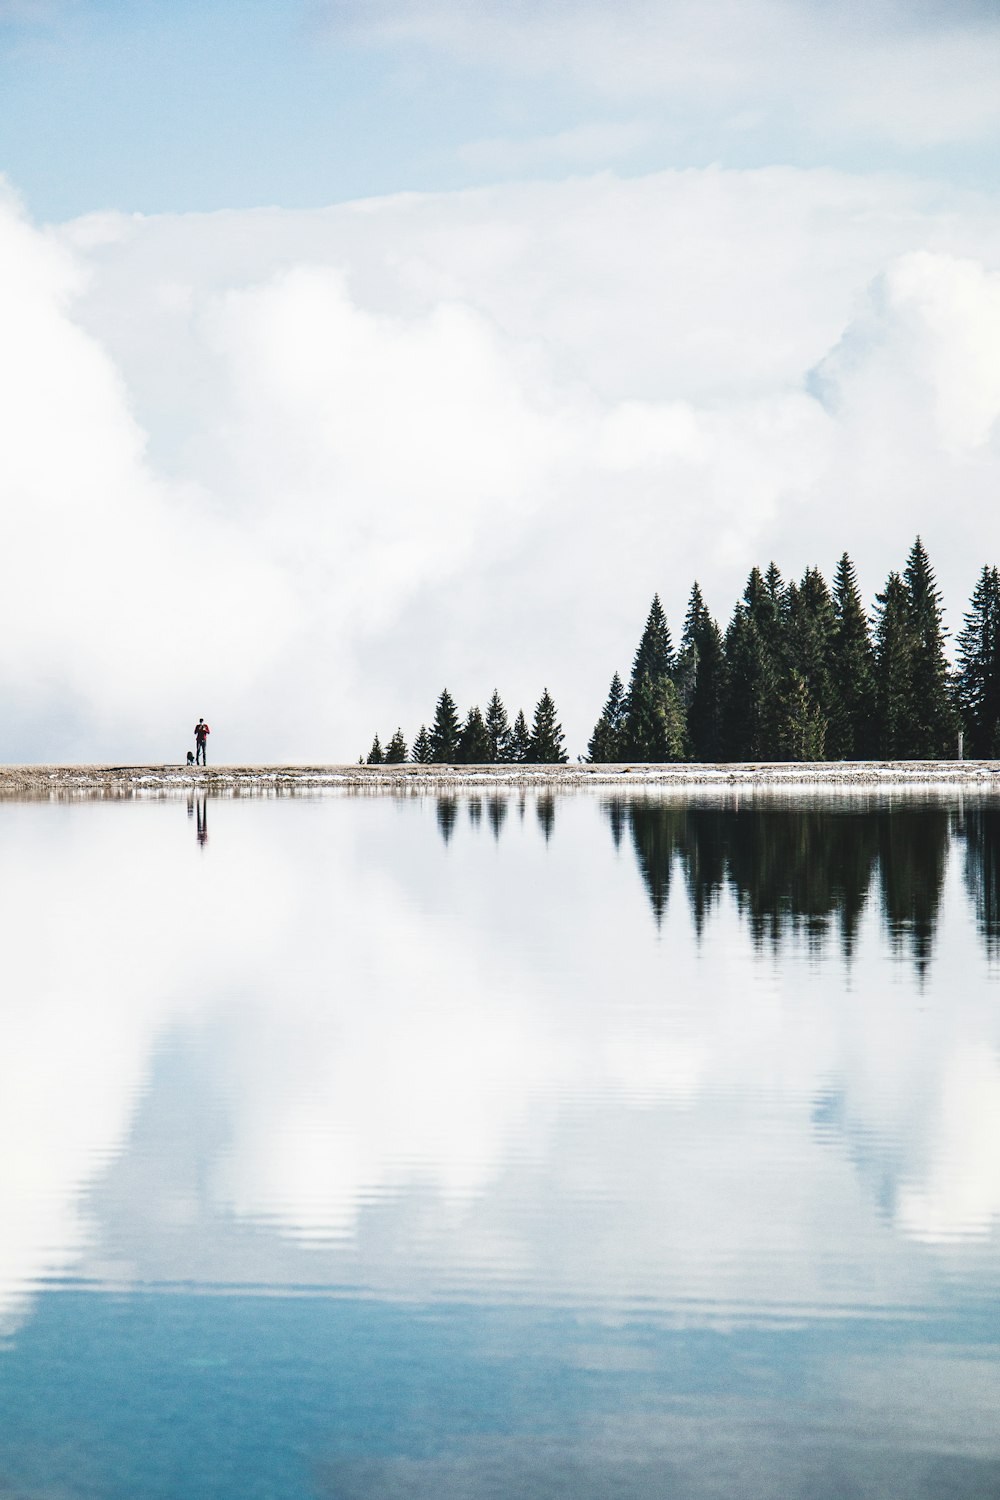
355	350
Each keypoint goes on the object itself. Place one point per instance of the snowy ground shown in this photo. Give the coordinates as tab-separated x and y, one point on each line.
117	781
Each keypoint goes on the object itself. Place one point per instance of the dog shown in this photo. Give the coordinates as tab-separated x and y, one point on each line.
190	757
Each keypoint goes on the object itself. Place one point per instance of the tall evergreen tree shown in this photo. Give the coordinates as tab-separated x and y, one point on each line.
654	656
654	720
978	680
801	723
812	630
474	748
375	756
893	669
395	751
545	746
764	597
422	753
700	679
520	740
852	732
931	711
497	727
755	653
606	740
654	725
752	684
805	695
445	731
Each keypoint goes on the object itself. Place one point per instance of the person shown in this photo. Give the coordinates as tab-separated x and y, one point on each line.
201	734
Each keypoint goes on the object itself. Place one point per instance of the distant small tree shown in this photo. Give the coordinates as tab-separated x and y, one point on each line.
422	754
497	727
474	746
545	746
520	740
375	756
395	751
606	740
445	731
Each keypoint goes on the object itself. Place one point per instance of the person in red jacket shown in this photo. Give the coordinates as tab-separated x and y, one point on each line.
201	734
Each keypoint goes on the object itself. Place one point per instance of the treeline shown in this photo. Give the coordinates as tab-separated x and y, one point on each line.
479	739
801	673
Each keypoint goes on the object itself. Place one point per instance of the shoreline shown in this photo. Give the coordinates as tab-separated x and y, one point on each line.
124	781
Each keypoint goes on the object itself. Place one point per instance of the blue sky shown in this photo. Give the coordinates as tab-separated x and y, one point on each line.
376	317
181	106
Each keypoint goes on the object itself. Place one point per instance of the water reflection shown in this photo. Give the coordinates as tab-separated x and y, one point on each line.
489	1182
197	808
980	828
805	871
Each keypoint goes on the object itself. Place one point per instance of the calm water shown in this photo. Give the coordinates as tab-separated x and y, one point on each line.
488	1148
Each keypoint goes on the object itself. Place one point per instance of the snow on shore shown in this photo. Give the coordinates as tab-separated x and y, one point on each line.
118	781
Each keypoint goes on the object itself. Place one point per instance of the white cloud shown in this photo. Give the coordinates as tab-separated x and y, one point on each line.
295	471
915	75
121	593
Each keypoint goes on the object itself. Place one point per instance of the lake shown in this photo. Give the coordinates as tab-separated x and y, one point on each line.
476	1147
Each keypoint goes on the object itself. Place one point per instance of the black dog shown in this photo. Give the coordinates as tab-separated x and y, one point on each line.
190	757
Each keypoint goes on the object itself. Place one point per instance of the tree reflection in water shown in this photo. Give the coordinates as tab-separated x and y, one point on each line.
981	828
805	871
802	871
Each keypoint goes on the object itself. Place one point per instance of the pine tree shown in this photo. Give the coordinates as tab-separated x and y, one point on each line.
474	747
806	691
700	679
654	727
654	719
752	685
445	731
931	710
654	656
545	746
978	680
893	669
395	751
852	733
422	755
756	667
498	728
801	722
375	756
764	597
606	741
520	740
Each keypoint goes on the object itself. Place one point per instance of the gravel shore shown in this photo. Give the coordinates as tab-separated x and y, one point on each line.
127	781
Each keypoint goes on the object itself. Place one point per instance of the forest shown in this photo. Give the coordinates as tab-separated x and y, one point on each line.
801	673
